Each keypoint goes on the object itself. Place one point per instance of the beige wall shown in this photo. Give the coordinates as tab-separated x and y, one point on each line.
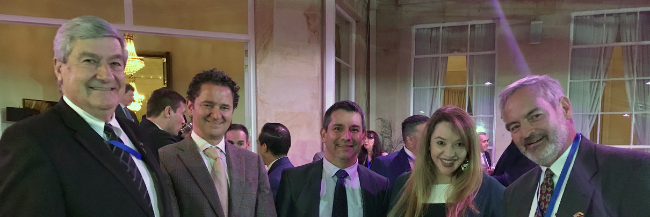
551	57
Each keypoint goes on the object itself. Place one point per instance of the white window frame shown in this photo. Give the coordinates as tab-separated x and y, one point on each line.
128	26
631	113
332	10
492	146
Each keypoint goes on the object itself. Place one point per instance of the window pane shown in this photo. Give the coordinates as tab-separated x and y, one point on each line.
615	97
585	96
615	129
342	39
482	37
593	24
341	75
617	64
587	125
454	39
642	96
643	61
586	63
485	125
426	72
427	41
425	101
455	96
456	73
644	25
481	69
622	23
481	100
642	129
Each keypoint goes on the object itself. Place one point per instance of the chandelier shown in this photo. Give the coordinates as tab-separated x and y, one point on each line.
134	63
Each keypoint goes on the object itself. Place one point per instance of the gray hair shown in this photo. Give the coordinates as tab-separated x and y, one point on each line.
549	88
84	27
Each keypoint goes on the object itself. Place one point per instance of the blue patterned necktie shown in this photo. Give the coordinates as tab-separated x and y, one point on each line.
340	207
127	161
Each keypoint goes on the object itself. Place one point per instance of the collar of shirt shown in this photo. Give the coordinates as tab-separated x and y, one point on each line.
96	124
331	170
409	153
556	167
202	144
154	123
271	164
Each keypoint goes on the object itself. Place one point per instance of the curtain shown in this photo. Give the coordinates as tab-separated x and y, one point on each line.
455	96
639	100
428	72
481	69
590	63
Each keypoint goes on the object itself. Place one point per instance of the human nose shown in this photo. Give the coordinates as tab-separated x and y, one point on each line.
104	73
346	135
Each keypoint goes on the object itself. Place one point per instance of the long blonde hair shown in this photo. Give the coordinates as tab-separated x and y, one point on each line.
464	184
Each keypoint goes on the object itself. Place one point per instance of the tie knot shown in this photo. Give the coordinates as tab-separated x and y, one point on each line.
110	133
212	152
341	174
549	173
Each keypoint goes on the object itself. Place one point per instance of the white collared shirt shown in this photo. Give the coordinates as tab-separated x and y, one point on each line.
438	193
557	170
410	154
352	189
98	126
221	147
271	164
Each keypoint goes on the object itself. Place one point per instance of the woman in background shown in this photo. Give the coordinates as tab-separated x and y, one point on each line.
447	178
371	149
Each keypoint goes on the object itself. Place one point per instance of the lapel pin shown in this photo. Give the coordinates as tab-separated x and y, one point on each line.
579	214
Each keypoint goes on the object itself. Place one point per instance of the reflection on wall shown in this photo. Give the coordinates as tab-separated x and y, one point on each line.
148	79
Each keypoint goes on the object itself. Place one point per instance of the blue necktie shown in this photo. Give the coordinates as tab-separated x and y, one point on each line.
127	113
340	207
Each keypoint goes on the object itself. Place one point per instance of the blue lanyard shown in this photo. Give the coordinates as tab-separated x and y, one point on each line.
560	181
126	148
367	162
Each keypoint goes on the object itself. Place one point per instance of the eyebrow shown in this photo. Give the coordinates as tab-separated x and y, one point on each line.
527	114
88	54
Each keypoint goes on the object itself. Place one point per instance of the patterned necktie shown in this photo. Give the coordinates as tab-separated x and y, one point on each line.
127	113
127	161
219	177
545	193
340	207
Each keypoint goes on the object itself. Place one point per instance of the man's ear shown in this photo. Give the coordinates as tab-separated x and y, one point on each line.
567	109
168	111
264	148
57	70
190	107
322	134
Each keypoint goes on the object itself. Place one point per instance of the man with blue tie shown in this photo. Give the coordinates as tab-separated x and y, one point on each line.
125	100
336	185
395	164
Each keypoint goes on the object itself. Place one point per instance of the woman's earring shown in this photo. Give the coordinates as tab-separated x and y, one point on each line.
465	165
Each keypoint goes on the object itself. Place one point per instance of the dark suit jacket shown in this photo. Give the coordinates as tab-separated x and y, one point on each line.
487	201
55	164
158	137
195	193
391	166
275	173
299	192
512	165
120	113
604	181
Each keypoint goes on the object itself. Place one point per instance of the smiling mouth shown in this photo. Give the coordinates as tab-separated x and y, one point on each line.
535	142
447	163
103	88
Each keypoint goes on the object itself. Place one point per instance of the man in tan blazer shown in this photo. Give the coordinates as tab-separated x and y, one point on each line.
209	176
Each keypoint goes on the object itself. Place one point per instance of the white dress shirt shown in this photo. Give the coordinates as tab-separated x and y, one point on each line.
221	147
271	164
410	154
438	193
557	170
98	126
352	189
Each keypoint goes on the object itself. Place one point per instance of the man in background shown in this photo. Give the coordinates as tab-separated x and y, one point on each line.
125	100
486	160
237	134
273	145
512	165
395	164
165	118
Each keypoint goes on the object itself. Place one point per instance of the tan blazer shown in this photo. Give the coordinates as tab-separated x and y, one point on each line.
194	194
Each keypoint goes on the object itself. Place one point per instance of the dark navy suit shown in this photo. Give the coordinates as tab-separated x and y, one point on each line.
275	173
512	165
392	166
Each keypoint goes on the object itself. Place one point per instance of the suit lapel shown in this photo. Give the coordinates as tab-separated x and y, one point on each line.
525	197
280	162
97	147
191	158
236	174
579	188
403	160
311	191
366	186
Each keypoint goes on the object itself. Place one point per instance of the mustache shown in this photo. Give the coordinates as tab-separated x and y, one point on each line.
534	137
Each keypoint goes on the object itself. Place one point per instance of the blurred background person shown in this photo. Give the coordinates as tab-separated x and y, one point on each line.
165	118
125	101
273	145
447	179
371	149
237	134
486	160
511	165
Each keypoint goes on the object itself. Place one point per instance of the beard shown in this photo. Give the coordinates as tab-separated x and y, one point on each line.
545	154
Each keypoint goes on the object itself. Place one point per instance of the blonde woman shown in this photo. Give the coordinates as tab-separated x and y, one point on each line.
447	178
